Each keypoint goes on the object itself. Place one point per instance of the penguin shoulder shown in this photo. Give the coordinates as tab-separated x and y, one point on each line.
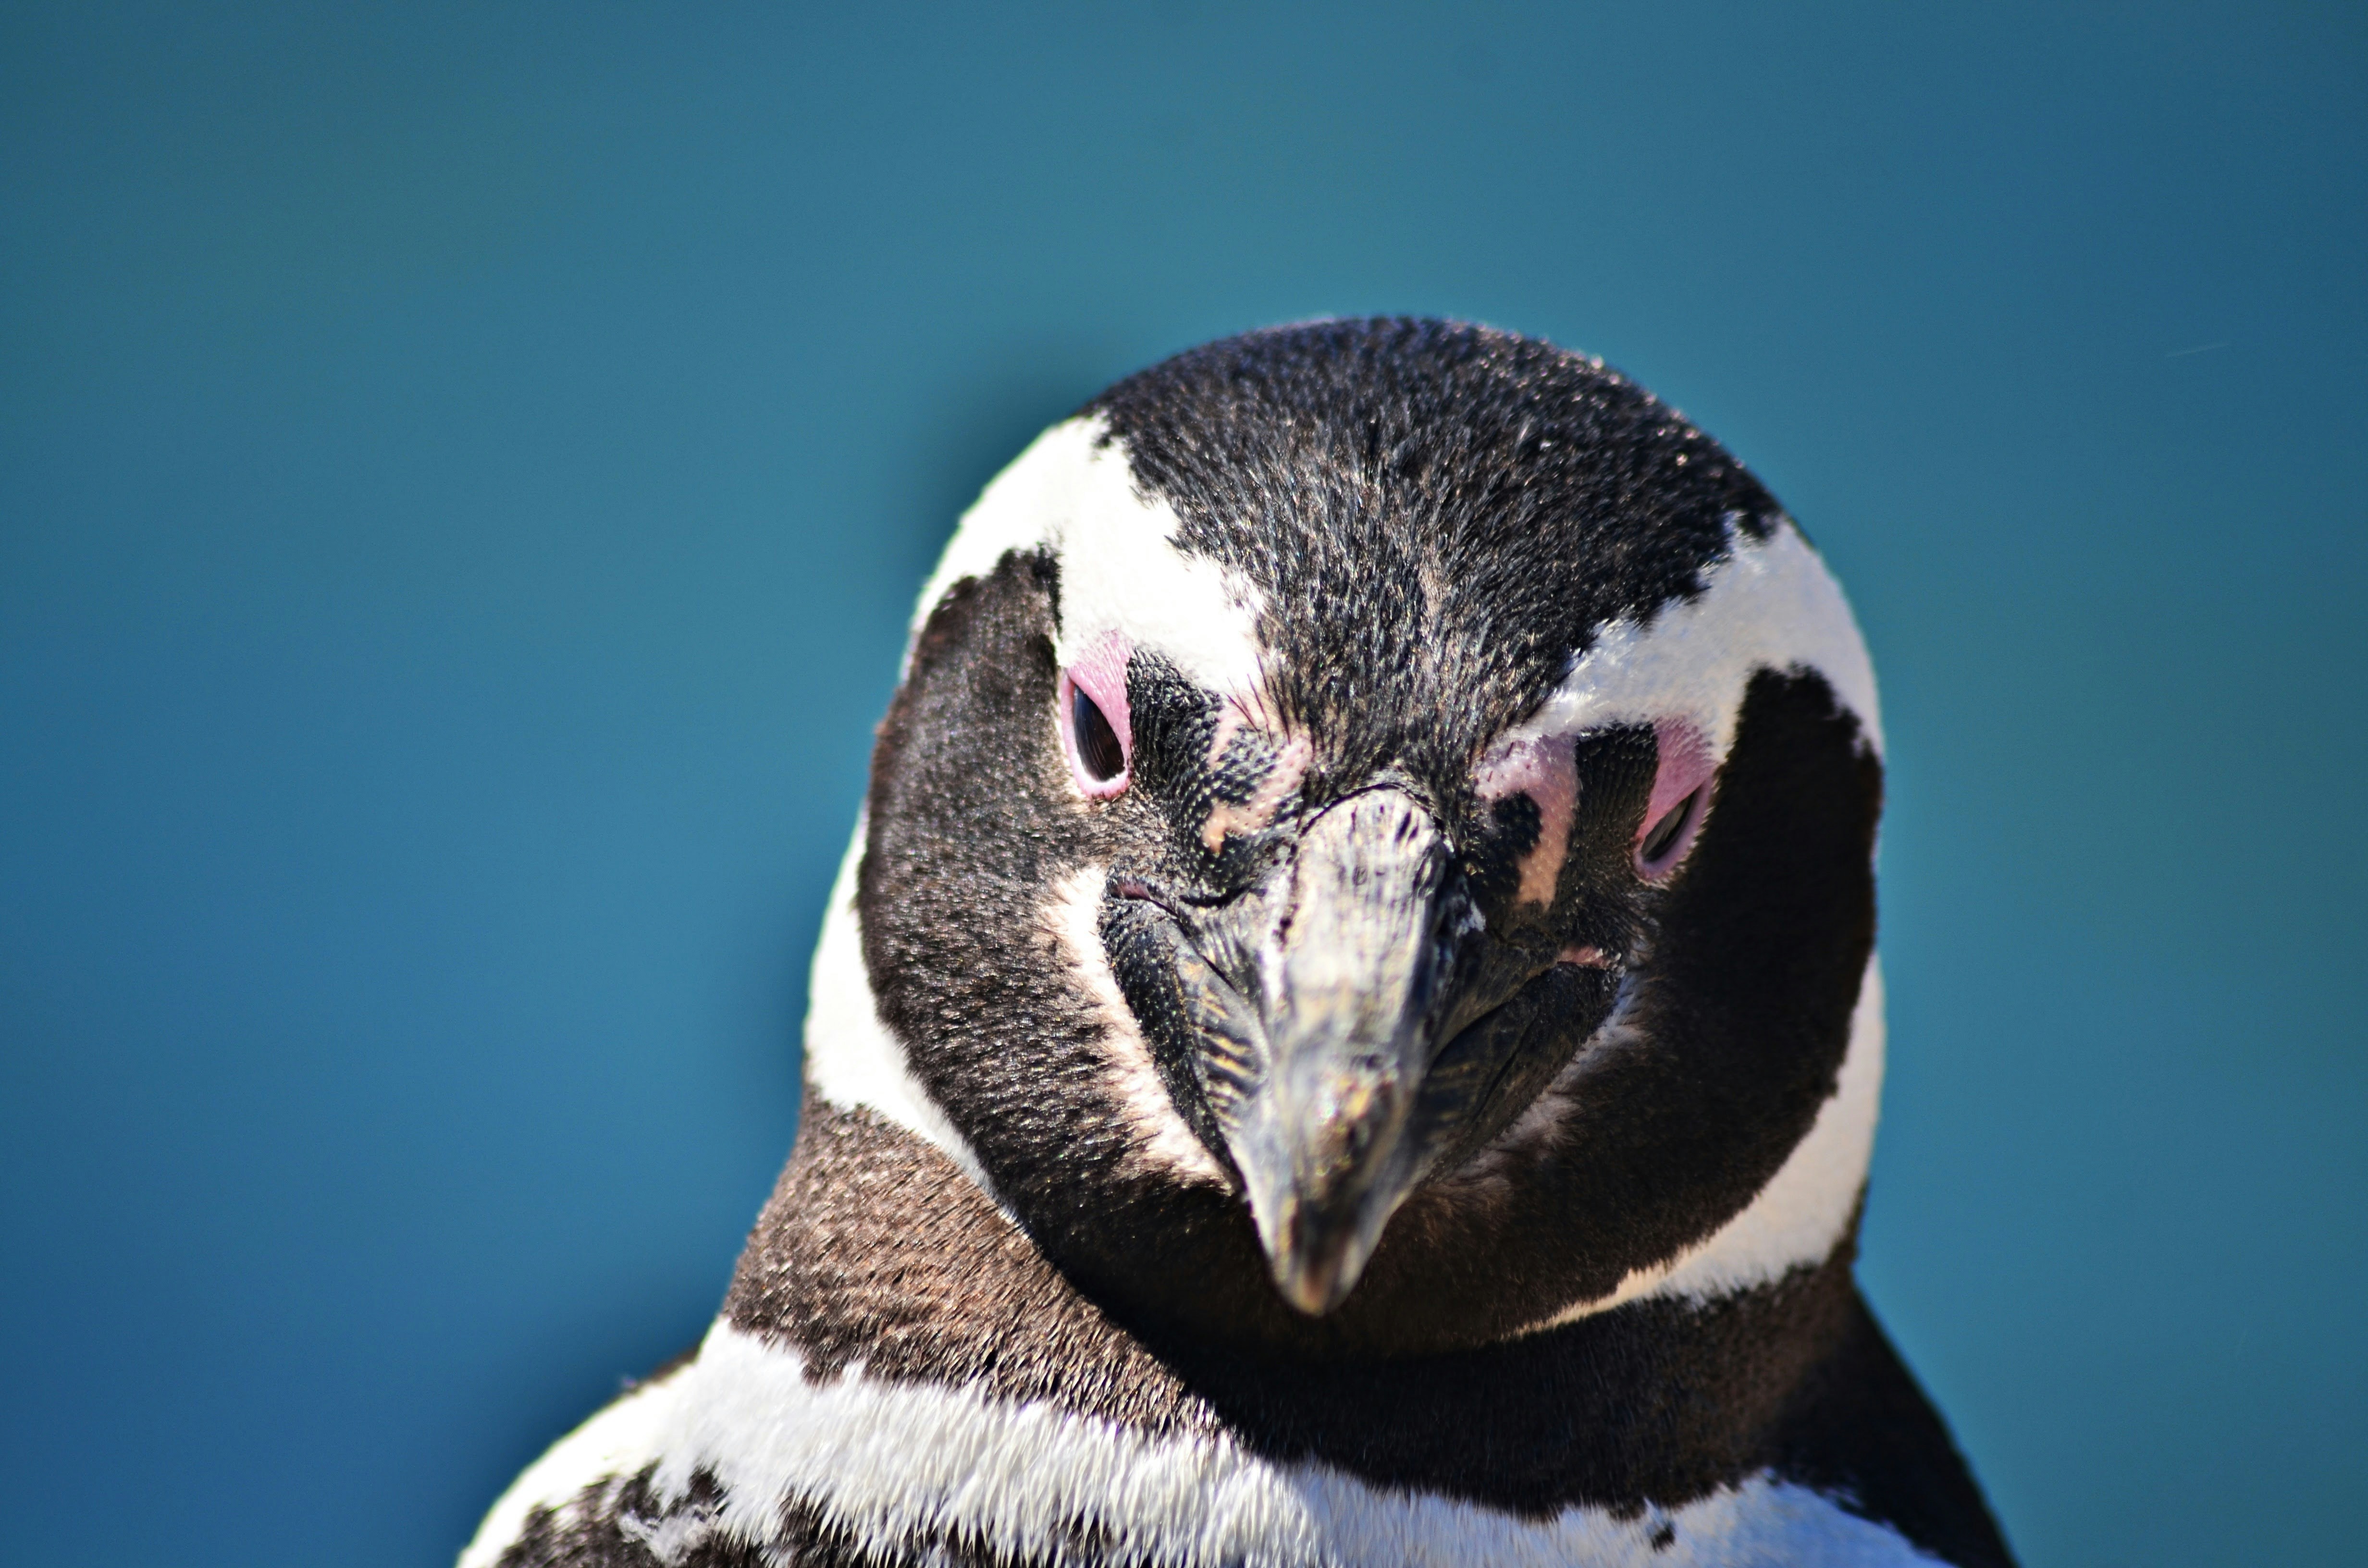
574	1481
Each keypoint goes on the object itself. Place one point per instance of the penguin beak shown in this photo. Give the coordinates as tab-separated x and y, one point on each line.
1347	974
1339	1032
1302	1023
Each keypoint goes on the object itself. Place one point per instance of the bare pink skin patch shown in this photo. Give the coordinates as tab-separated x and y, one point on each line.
1682	780
1290	766
1544	770
1100	674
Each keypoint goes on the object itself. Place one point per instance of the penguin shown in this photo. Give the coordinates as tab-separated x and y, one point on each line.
1349	1032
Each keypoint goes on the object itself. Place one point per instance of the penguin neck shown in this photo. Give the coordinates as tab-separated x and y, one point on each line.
886	1255
896	1362
1804	1217
887	1249
877	1258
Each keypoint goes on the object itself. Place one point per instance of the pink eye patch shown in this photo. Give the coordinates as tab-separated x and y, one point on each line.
1544	769
1680	795
1095	733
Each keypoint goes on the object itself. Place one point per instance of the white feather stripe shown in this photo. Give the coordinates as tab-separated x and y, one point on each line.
895	1462
1121	570
1162	1140
622	1438
851	1057
1801	1214
1771	604
1806	1208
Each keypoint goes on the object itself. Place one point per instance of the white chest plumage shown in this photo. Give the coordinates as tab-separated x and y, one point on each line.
901	1469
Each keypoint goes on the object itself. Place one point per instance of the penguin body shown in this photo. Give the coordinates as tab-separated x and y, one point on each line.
1349	1033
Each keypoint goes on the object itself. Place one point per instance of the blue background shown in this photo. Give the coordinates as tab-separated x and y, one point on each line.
463	475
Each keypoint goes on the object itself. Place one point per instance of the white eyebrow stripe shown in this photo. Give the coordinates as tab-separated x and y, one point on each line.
1121	568
1771	604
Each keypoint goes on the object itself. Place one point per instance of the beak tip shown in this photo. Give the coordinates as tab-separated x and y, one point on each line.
1312	1293
1315	1276
1319	1236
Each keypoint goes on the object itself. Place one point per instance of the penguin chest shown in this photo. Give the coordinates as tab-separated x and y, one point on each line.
743	1456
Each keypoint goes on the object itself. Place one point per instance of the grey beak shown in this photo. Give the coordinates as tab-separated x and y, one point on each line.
1346	970
1342	1030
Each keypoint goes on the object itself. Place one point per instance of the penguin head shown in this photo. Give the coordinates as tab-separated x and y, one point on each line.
1373	850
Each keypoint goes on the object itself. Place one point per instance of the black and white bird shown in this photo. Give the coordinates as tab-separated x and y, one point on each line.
1349	1034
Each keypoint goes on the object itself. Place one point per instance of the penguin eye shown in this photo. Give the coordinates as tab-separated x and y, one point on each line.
1097	746
1684	771
1096	750
1666	837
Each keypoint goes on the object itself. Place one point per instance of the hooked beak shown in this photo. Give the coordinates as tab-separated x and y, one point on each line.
1340	1030
1346	975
